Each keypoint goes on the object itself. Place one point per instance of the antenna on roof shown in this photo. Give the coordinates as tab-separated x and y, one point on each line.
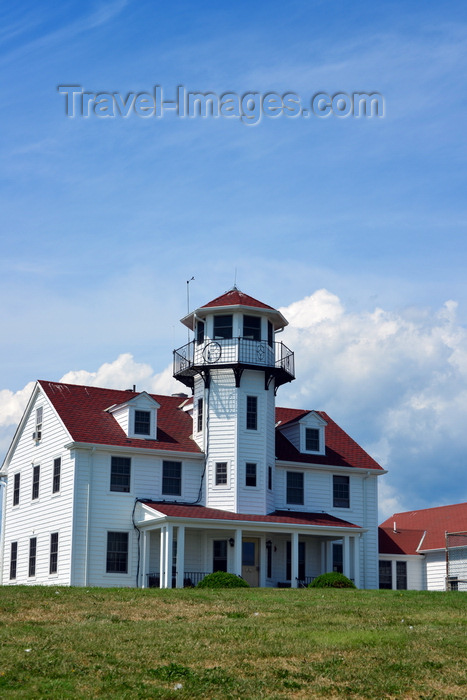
188	301
235	279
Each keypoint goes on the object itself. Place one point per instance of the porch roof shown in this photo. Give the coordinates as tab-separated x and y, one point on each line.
177	510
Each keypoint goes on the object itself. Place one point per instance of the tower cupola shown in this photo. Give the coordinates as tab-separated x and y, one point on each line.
234	331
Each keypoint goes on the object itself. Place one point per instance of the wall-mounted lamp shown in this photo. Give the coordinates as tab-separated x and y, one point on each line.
231	541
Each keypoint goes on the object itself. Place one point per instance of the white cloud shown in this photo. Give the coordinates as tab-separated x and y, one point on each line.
12	404
122	373
397	382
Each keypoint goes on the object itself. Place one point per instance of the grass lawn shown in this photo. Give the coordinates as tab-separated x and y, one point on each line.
240	643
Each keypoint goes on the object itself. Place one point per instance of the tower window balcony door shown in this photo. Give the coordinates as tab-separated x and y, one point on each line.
250	561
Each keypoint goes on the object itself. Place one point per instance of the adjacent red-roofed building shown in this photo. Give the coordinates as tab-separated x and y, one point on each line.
113	487
425	549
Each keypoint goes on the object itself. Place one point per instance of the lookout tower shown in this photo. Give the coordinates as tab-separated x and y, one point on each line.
234	367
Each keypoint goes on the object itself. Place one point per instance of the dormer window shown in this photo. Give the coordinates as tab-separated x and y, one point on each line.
223	327
252	327
312	440
142	423
138	417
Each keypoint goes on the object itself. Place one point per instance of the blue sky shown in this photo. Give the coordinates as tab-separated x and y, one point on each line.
104	220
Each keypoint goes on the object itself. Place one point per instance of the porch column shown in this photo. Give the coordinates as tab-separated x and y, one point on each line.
144	559
168	557
162	557
180	555
346	555
329	563
356	561
262	563
294	560
323	568
238	552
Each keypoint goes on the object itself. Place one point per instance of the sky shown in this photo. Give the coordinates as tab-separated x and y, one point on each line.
354	226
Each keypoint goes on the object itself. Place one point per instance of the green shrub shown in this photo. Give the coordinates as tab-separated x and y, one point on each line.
332	580
221	579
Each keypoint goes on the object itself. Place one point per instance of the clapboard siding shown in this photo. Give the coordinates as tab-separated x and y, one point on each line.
436	571
102	510
48	513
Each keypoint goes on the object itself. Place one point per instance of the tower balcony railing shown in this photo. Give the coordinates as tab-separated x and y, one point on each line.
194	356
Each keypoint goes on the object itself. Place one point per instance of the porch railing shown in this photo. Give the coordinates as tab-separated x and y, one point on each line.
303	582
190	579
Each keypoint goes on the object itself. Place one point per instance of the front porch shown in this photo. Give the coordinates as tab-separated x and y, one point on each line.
179	551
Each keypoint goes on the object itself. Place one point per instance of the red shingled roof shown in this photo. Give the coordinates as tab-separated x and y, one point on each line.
341	450
177	510
436	522
399	542
235	297
83	411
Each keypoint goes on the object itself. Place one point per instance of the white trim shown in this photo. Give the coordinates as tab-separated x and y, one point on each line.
131	449
285	464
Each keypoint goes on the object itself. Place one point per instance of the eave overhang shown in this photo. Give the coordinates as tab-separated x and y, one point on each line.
277	319
160	518
286	464
131	448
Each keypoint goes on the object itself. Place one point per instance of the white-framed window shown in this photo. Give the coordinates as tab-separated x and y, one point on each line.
340	491
312	439
120	474
171	478
142	422
295	488
199	424
37	435
57	474
32	556
251	475
16	488
13	560
393	572
117	553
36	475
252	413
53	561
221	474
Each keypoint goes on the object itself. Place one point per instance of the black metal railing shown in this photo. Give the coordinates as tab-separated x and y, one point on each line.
233	351
190	579
303	582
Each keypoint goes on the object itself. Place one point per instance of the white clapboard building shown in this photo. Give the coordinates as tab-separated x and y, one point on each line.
425	549
125	488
